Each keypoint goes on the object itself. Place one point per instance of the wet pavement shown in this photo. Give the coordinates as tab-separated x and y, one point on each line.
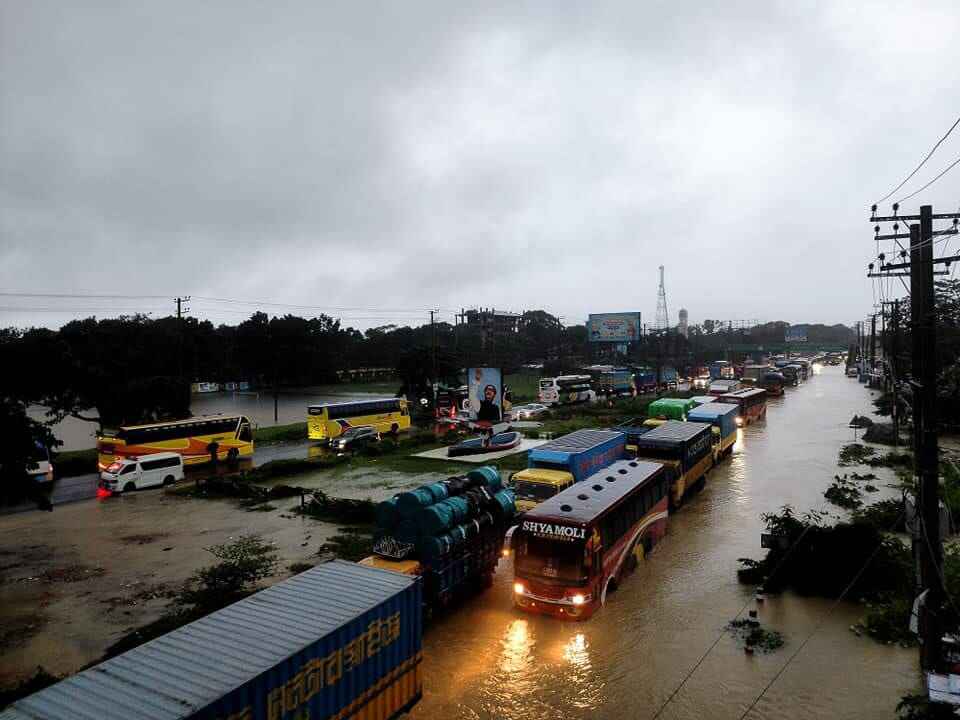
488	660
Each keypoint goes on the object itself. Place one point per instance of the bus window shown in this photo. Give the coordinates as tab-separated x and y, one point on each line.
246	435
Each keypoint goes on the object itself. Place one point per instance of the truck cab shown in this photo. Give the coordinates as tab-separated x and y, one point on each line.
534	485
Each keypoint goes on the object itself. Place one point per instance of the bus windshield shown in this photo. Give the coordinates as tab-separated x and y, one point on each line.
545	384
527	490
550	560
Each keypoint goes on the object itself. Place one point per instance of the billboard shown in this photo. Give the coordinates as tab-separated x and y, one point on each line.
485	395
614	327
795	333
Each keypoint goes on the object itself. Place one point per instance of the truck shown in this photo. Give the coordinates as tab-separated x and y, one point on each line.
721	370
670	408
723	417
614	383
686	448
560	463
449	533
325	643
645	380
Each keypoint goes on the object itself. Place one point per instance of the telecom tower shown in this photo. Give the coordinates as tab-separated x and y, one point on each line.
663	318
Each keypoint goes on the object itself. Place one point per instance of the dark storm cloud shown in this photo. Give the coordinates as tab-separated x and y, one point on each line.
422	155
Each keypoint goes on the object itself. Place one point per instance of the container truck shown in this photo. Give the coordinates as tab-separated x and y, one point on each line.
339	640
614	383
723	418
448	533
645	380
562	462
685	447
670	408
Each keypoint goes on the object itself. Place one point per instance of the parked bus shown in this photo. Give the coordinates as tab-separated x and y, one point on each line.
198	440
752	402
450	401
565	389
573	548
387	415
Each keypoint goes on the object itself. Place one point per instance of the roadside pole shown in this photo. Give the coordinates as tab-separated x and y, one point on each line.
925	433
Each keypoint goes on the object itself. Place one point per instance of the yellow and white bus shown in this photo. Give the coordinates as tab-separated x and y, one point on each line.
196	439
387	415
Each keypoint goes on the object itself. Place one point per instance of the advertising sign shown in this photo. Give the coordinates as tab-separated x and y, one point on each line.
795	333
485	390
614	327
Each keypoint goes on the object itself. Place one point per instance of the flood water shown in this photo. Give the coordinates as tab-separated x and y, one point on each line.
259	407
488	660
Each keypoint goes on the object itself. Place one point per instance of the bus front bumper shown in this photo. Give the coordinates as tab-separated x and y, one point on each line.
562	608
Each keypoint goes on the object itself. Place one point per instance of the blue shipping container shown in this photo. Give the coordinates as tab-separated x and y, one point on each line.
341	639
581	453
722	415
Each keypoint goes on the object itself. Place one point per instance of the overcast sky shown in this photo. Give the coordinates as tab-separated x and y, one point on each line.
400	156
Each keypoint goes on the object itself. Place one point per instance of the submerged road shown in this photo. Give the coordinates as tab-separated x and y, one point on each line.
488	660
84	487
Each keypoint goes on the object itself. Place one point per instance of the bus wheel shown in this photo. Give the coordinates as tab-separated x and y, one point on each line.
233	454
129	487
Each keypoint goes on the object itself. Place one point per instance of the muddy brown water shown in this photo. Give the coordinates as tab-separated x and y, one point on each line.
488	660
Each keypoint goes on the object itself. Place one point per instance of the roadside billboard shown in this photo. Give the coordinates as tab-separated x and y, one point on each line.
485	394
795	333
614	327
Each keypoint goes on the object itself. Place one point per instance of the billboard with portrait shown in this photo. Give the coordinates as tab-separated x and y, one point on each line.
795	333
485	394
614	327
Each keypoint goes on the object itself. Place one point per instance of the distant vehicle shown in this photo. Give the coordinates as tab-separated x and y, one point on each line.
142	472
198	440
721	370
755	372
721	387
565	389
614	383
773	383
701	382
387	415
41	469
533	486
852	371
356	438
529	411
752	403
451	401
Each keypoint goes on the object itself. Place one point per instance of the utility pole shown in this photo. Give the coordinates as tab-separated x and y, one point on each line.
928	544
181	300
894	355
433	353
925	456
873	342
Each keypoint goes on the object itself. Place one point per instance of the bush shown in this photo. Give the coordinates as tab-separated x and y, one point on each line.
243	563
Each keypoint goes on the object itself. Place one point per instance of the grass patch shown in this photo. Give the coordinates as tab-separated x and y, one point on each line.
352	543
525	387
274	434
71	463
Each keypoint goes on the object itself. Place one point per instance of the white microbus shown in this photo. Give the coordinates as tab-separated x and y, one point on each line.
144	471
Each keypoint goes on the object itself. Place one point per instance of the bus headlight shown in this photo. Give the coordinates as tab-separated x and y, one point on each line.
739	422
578	599
518	588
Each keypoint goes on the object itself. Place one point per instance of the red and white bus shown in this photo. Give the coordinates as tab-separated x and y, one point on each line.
752	402
573	548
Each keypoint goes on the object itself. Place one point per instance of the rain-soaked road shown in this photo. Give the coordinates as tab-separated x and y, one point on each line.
488	660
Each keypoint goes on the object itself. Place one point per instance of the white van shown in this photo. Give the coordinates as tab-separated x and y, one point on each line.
142	472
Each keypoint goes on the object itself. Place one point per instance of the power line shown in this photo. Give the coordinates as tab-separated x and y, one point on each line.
945	171
922	162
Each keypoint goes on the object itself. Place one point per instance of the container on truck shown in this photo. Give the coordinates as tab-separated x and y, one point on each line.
645	380
699	400
449	533
339	640
722	387
670	408
723	417
616	382
686	448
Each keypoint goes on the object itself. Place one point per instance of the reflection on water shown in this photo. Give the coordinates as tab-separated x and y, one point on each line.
486	660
